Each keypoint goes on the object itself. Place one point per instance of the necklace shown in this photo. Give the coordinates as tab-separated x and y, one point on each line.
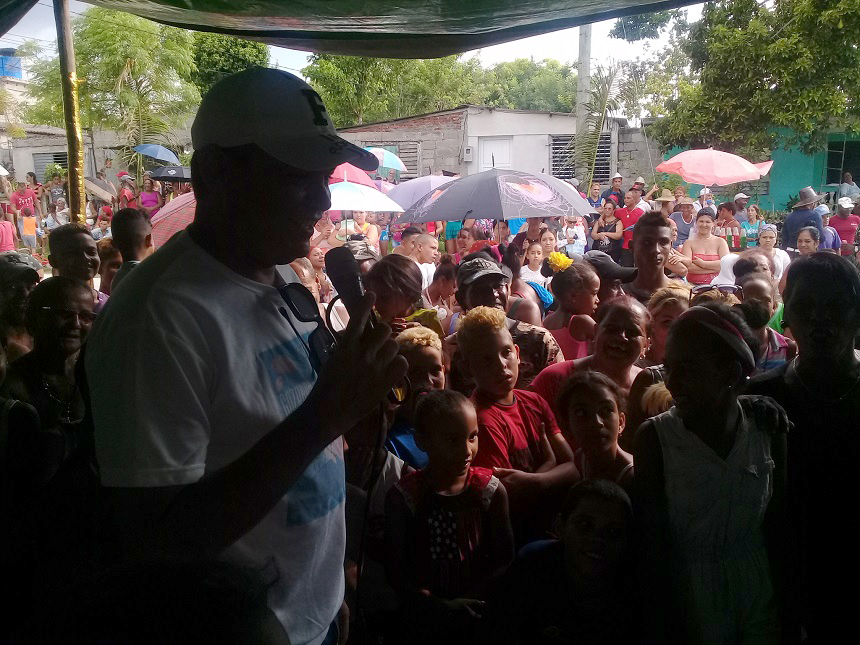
66	404
808	389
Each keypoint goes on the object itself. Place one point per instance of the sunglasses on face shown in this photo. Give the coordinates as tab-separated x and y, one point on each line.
722	288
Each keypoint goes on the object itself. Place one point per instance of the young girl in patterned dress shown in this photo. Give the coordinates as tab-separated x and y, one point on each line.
447	531
709	492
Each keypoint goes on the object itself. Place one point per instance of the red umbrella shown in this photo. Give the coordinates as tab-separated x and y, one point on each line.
348	172
713	167
173	218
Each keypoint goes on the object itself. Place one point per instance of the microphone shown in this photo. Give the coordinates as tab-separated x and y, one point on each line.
342	269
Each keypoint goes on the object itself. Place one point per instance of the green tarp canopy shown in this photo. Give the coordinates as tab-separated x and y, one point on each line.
385	28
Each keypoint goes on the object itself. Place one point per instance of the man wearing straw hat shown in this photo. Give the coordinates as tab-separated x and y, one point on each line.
801	216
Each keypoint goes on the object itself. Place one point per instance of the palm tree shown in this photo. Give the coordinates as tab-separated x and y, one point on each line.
607	95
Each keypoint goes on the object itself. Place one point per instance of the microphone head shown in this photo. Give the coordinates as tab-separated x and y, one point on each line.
342	269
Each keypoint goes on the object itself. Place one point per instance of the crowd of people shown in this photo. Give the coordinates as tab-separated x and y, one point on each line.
633	426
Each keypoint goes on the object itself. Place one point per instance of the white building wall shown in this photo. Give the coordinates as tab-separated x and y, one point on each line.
530	134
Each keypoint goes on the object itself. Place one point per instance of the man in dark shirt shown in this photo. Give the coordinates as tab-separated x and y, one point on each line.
614	189
800	217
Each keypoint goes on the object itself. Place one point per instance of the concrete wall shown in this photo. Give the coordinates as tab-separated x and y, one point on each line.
638	155
440	137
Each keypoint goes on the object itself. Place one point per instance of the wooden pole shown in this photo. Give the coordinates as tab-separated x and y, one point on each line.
74	136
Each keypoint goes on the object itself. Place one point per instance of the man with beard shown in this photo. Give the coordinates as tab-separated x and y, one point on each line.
652	244
17	280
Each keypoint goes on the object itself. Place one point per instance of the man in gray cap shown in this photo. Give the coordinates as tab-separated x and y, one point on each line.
801	216
482	282
218	419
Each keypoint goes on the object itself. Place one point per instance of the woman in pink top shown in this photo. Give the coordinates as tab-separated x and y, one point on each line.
620	341
151	201
575	289
703	250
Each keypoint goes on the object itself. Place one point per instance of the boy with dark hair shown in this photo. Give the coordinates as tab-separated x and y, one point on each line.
132	235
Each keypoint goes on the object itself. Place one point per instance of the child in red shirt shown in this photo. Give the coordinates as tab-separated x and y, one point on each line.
448	531
518	435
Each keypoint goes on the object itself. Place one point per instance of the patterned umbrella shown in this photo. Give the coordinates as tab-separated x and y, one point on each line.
173	218
494	194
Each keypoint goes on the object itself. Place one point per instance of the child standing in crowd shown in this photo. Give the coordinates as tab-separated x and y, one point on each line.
74	254
578	588
30	229
534	258
575	289
591	414
519	436
573	237
423	350
448	531
132	234
710	491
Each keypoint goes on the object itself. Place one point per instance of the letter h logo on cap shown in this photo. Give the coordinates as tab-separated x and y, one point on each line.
317	107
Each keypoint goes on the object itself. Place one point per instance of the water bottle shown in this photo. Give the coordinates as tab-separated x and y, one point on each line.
743	238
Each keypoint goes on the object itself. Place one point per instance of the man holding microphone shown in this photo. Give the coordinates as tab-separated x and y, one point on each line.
217	432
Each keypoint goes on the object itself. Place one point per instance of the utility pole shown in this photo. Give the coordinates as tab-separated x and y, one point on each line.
583	89
71	112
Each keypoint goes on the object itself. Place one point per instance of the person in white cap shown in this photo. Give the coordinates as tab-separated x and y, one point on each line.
218	419
846	224
741	200
706	200
614	189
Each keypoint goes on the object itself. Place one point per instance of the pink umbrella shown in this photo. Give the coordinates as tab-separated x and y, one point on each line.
713	167
173	218
348	172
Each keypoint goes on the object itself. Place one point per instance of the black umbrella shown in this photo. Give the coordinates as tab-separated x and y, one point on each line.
172	173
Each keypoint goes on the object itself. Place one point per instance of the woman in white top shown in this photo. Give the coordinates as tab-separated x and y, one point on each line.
767	242
848	188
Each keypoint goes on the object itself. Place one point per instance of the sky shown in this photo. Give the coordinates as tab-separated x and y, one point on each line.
561	45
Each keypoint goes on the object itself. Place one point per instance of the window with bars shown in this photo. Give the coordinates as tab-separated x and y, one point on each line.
562	150
42	159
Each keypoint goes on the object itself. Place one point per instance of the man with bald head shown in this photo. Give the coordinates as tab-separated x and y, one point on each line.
424	254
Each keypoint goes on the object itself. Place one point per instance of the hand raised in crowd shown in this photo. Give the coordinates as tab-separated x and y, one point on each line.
363	368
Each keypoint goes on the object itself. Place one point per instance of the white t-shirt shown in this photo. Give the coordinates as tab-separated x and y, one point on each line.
190	365
428	270
532	276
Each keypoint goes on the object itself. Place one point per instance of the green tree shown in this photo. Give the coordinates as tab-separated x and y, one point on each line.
138	83
219	55
360	90
645	25
795	64
524	84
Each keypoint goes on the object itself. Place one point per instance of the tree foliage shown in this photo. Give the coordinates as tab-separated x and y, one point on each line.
135	77
646	25
524	84
795	64
219	55
361	90
608	93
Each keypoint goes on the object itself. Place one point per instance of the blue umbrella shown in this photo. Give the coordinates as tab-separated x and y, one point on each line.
157	152
387	159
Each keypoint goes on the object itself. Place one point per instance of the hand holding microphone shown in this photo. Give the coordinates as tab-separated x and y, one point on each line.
364	367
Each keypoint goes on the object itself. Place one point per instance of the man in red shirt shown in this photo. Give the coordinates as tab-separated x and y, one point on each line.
846	224
628	215
24	197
